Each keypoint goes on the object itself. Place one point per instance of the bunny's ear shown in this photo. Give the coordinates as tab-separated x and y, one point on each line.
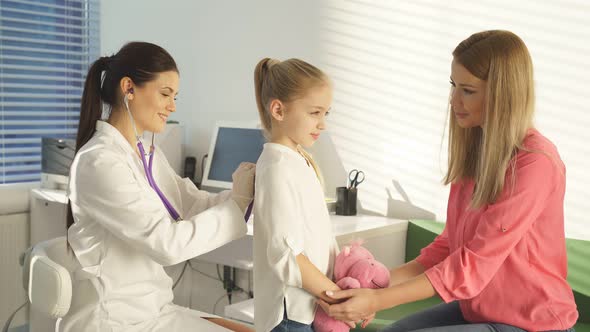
346	250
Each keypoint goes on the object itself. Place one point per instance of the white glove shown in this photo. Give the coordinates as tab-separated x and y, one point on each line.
243	185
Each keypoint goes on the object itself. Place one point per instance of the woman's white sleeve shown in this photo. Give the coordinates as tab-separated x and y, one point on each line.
113	197
195	201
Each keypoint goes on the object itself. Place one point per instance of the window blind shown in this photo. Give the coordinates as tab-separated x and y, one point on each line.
46	47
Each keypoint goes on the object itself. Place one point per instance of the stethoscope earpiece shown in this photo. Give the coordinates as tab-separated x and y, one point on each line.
126	98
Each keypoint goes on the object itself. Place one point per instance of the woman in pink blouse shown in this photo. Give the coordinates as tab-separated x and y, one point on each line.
500	263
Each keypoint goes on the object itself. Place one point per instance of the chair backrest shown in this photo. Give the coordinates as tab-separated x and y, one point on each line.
50	283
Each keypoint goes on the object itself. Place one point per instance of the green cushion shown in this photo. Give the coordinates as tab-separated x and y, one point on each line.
420	234
582	327
578	253
407	309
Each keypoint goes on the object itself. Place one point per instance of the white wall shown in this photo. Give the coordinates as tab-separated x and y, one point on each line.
390	65
390	61
216	45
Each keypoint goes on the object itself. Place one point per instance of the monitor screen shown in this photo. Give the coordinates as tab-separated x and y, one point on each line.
57	155
230	146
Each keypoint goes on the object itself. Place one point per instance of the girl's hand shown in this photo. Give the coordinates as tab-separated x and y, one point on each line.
360	304
350	324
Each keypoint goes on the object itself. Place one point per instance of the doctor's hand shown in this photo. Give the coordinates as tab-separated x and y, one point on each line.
243	185
360	304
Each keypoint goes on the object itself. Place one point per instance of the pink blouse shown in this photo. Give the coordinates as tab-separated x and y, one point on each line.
506	262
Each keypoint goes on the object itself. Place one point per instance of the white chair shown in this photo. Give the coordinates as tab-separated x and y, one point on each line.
47	279
50	283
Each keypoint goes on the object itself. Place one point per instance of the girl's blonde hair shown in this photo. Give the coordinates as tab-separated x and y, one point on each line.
484	153
286	81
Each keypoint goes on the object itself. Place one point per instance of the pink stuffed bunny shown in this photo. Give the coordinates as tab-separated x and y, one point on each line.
355	267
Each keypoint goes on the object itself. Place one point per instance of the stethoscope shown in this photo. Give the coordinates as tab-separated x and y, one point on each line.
147	166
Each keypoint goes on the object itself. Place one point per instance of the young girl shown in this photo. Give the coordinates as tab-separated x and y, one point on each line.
294	247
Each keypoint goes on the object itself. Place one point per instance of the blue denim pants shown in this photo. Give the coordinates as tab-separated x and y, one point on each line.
447	317
287	325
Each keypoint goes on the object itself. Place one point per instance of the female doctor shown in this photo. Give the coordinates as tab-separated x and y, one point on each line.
130	214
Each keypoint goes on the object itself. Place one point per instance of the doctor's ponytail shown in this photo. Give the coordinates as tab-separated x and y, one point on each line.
91	107
91	111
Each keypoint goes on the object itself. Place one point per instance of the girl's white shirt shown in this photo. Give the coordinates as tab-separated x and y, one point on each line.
290	218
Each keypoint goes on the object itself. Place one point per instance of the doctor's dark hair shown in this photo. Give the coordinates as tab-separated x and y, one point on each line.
286	81
140	61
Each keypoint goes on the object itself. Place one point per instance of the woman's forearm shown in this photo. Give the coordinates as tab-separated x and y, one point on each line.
405	272
414	289
314	281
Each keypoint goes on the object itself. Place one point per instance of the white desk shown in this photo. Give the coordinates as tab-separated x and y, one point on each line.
237	254
385	237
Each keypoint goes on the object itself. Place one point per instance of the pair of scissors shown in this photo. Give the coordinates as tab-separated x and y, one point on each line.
355	177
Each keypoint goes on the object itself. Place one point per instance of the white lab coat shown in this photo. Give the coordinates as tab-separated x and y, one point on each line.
123	236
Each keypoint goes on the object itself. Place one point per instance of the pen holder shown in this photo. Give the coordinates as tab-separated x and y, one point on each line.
346	201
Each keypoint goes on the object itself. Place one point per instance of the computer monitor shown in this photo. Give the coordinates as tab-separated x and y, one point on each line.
56	158
171	143
231	144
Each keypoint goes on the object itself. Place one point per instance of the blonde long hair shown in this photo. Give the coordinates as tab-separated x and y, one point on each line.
286	81
484	153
